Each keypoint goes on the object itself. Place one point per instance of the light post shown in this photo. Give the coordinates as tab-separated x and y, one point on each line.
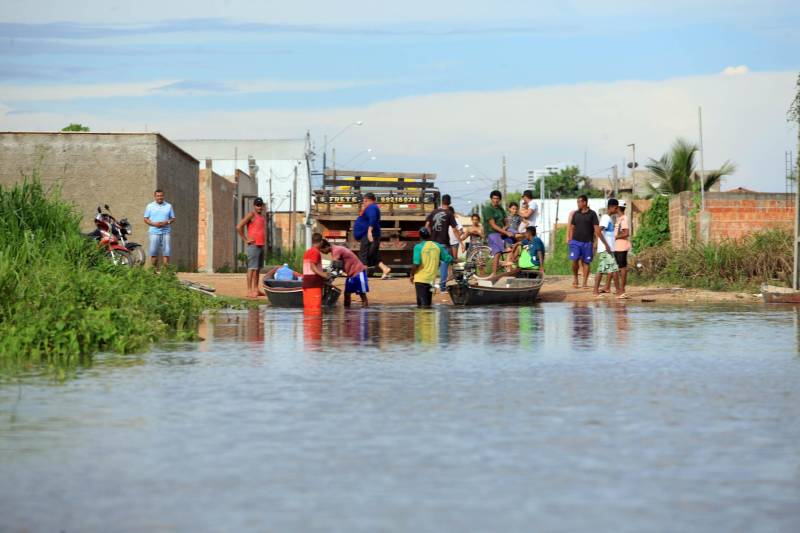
632	165
327	141
359	154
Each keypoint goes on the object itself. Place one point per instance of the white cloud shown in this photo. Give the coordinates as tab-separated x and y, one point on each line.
744	119
34	93
38	93
735	71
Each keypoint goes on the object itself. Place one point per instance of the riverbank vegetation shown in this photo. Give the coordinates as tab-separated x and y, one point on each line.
742	264
61	299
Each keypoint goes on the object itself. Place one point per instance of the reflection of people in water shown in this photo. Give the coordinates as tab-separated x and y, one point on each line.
582	323
255	326
312	329
621	323
425	326
356	326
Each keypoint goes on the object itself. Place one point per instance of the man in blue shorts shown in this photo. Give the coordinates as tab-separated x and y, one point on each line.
582	228
159	216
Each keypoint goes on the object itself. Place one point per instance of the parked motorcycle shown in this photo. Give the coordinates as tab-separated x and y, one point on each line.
121	231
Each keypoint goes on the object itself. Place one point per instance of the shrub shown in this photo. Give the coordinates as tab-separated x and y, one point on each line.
653	225
61	300
729	264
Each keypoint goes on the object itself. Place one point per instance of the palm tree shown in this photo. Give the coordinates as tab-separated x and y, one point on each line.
675	171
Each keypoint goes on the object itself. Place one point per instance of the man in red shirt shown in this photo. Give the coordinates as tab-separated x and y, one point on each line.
355	270
255	240
313	275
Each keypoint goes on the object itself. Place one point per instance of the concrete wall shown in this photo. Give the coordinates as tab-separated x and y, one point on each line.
118	169
176	174
216	222
729	215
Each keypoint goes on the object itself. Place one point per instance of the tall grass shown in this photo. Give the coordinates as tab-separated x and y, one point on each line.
61	300
741	264
557	262
293	259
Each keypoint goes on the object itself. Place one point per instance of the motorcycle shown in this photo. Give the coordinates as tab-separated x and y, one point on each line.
119	230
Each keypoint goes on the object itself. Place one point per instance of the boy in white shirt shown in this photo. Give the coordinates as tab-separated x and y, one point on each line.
607	264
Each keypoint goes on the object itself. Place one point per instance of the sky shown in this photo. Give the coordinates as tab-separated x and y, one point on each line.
440	86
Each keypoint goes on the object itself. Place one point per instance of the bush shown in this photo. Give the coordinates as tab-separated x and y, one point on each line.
726	265
60	299
653	227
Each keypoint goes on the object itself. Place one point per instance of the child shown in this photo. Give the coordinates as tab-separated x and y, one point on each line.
535	248
513	221
427	256
475	233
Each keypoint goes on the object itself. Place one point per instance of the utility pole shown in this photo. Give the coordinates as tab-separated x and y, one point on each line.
702	163
333	158
633	164
325	154
615	180
271	211
794	116
541	205
292	229
504	182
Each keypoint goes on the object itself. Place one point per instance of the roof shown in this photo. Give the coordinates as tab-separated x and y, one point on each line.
130	133
740	190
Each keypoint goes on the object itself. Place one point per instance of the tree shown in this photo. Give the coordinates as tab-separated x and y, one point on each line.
75	127
675	170
566	183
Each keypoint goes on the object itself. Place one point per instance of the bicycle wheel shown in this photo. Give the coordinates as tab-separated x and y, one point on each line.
481	257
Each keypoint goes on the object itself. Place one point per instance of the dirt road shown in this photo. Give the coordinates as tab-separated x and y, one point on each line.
398	291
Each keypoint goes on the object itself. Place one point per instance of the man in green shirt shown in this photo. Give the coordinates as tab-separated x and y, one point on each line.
494	220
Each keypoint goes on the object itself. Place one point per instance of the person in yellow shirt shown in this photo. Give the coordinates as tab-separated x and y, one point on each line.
427	256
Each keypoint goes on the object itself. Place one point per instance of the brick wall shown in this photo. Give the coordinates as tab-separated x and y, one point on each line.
222	222
730	215
282	221
91	169
118	169
176	174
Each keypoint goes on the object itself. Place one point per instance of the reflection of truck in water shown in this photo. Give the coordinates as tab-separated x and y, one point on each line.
404	199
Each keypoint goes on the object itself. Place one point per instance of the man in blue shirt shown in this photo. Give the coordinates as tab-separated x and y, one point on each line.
159	216
367	230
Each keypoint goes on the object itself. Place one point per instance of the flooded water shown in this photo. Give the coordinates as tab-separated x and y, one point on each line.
553	418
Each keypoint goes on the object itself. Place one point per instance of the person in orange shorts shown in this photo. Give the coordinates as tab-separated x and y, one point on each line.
313	275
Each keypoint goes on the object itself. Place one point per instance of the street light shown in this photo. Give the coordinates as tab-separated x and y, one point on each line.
632	165
325	145
359	154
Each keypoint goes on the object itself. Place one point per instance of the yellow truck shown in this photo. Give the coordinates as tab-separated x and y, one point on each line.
405	200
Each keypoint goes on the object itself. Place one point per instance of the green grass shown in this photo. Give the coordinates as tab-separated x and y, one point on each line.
557	262
294	260
61	300
733	265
